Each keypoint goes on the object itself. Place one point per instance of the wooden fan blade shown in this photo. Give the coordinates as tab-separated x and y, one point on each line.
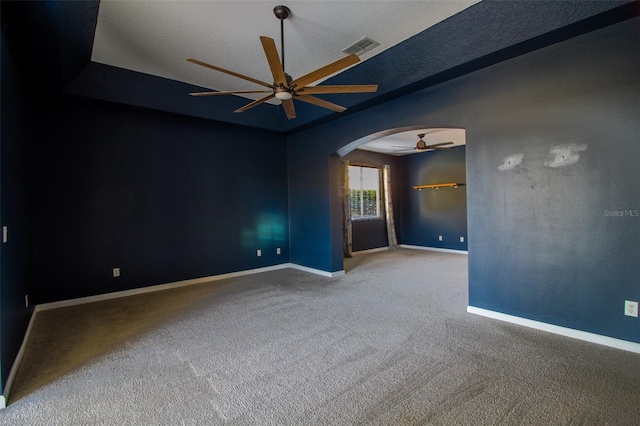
320	102
325	71
317	90
255	103
289	109
438	144
235	74
231	92
271	53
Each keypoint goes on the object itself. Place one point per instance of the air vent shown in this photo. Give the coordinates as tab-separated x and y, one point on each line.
361	46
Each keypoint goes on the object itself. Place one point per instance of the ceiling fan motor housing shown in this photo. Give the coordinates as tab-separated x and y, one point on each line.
421	145
281	12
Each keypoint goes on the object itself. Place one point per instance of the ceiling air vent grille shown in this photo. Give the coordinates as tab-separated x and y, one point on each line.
361	46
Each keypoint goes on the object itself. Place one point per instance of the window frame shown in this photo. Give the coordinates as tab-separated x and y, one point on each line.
380	194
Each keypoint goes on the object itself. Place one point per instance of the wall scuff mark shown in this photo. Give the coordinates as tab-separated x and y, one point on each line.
511	162
565	155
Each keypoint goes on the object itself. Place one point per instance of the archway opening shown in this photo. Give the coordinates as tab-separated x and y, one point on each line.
433	217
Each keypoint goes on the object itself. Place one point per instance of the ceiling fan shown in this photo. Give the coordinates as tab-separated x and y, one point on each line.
284	87
422	146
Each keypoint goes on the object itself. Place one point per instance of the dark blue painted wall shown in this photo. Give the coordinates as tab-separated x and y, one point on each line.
163	197
540	244
52	38
309	181
430	213
15	211
167	198
104	82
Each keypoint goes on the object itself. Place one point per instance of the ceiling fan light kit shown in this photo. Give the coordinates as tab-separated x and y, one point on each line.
284	87
283	94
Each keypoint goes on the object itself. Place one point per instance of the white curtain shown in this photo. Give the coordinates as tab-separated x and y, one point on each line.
388	207
347	242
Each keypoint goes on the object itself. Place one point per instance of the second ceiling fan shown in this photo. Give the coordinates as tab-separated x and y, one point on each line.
421	145
284	87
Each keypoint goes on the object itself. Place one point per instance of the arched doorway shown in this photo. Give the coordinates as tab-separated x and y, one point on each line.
432	218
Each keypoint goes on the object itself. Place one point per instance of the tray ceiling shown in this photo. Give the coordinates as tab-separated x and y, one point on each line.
134	52
156	37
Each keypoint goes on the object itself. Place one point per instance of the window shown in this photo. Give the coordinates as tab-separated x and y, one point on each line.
364	196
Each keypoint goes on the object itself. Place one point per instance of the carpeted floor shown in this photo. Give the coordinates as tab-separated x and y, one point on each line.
389	343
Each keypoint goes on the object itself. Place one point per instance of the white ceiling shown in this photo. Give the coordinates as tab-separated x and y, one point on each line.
404	143
156	37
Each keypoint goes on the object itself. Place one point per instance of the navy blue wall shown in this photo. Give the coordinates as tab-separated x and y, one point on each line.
540	243
15	212
310	182
161	196
430	213
167	198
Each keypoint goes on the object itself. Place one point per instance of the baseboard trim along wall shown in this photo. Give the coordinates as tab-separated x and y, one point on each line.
177	284
16	363
443	250
118	294
316	271
373	250
556	329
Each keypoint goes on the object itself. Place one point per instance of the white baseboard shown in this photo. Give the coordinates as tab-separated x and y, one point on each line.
16	363
373	250
154	288
316	271
443	250
556	329
118	294
177	284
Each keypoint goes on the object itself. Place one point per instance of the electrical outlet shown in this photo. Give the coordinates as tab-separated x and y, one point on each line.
116	272
631	308
278	250
462	239
439	237
259	253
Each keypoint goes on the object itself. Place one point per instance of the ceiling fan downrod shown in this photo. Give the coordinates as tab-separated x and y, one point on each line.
282	13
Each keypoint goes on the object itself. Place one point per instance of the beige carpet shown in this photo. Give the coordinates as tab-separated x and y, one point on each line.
390	343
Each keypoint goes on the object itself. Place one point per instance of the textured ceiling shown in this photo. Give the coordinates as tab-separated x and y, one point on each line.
134	52
155	37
